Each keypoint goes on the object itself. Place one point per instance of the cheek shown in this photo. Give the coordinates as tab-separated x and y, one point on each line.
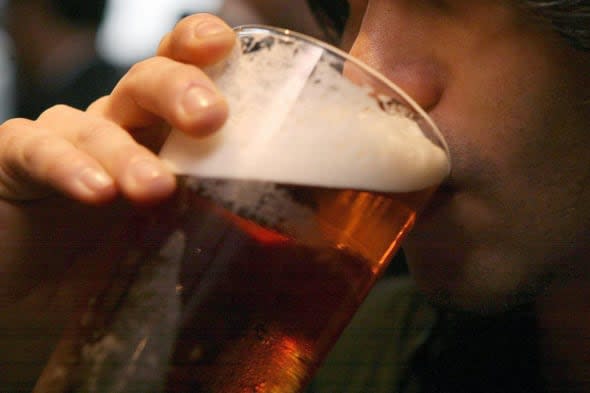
515	127
519	141
516	174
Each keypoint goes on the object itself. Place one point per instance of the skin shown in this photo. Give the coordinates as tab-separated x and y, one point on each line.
511	98
509	225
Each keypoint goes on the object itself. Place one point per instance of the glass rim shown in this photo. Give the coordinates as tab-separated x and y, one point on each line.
359	63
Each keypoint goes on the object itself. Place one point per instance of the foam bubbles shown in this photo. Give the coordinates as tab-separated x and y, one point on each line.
306	125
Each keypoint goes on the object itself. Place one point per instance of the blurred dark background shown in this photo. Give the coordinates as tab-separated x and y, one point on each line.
72	51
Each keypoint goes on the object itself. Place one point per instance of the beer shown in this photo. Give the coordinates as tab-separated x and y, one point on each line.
262	294
273	305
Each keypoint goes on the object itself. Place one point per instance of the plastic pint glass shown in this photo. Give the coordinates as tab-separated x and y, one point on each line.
282	222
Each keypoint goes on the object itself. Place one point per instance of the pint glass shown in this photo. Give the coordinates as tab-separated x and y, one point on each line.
282	222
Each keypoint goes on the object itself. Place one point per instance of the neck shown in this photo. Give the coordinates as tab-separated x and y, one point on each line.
564	333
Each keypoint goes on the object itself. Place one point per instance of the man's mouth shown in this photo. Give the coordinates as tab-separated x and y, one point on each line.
443	194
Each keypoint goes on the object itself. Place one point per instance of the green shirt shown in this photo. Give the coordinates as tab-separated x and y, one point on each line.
398	343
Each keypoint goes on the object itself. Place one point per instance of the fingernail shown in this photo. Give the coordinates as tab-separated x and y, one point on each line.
208	28
95	180
149	180
197	98
145	171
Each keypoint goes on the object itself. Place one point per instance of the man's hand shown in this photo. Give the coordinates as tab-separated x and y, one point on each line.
69	182
110	149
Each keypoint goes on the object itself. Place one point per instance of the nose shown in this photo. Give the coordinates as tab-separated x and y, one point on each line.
408	64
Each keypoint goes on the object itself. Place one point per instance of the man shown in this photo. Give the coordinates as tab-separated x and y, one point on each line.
56	57
508	84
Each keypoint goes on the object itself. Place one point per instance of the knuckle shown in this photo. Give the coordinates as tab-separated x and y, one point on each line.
97	105
13	124
143	70
200	17
9	146
56	111
142	67
164	43
96	131
59	108
12	137
33	152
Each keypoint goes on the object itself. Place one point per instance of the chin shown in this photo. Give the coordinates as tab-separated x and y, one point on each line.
450	266
481	286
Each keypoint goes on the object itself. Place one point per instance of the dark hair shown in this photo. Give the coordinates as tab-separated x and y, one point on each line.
80	12
331	15
570	18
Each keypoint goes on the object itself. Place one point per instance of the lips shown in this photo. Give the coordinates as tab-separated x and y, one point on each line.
440	198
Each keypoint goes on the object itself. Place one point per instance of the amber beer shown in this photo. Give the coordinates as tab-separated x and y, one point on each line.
266	277
261	307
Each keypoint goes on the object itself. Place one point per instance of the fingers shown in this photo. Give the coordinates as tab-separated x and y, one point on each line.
171	87
86	157
200	39
33	159
160	88
91	156
136	171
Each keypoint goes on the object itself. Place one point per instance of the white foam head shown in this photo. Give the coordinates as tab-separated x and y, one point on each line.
294	119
